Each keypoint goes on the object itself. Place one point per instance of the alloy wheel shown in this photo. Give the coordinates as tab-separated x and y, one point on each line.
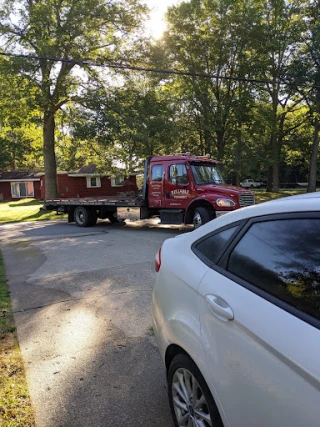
189	402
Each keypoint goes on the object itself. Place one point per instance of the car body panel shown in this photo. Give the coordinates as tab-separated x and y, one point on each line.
258	367
263	366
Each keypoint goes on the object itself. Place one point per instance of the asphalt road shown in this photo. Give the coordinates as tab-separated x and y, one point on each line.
82	304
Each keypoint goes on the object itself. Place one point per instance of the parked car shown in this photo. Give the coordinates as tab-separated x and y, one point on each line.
251	183
236	309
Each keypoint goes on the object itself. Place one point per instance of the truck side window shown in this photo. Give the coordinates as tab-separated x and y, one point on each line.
156	173
178	174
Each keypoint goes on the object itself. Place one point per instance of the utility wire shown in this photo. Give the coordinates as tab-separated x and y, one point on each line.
118	66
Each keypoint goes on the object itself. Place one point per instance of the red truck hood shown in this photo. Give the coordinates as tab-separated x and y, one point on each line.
223	189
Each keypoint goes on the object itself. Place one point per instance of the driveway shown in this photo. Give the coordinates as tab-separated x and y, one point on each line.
82	304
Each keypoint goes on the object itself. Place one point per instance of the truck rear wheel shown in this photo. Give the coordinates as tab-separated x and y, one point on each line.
201	216
82	216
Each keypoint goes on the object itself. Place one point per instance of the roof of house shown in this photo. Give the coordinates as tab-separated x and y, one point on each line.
90	169
18	176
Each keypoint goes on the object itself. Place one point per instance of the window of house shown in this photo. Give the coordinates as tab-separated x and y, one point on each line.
118	181
22	189
178	174
213	246
282	258
93	182
156	173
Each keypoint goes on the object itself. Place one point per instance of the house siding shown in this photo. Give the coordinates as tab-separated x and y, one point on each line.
71	187
5	191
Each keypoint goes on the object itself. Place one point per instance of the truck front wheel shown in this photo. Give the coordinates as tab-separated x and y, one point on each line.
82	216
201	216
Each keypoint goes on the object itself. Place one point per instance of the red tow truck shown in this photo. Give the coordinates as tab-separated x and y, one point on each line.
179	189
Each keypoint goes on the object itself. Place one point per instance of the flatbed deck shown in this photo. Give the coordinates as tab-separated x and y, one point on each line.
95	201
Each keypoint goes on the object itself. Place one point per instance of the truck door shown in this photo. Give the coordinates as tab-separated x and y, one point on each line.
156	182
177	186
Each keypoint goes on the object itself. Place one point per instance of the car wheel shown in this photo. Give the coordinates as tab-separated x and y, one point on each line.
201	216
190	399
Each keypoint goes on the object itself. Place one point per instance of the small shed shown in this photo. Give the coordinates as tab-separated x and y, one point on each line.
18	185
87	181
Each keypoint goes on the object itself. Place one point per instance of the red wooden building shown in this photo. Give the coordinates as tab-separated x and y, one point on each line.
83	182
88	182
17	185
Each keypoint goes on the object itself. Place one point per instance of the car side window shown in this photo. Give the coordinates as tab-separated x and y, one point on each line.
156	173
212	247
178	174
282	258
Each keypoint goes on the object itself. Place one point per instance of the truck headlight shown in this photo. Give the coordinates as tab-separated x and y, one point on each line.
225	203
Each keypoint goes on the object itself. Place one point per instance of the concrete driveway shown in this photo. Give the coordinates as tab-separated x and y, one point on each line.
82	304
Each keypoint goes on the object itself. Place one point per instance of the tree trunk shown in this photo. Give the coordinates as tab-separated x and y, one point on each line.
270	179
312	184
50	166
238	155
220	145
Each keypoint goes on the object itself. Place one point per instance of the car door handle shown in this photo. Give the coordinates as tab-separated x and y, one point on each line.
220	307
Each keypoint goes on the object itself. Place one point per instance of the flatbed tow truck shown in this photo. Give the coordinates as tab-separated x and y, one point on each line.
179	189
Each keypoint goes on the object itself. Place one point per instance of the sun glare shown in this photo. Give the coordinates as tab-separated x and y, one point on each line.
156	25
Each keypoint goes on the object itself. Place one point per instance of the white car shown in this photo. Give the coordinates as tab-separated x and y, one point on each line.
236	310
250	183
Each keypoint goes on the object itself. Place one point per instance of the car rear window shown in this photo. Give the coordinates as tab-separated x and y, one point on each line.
211	248
282	257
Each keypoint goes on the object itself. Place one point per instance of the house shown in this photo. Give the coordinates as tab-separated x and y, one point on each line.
86	181
17	185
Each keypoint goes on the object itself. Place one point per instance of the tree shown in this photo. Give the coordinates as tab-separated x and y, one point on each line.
125	124
280	27
20	125
77	29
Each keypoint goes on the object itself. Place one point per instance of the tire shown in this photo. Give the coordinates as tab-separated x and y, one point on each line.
93	218
82	216
201	216
183	369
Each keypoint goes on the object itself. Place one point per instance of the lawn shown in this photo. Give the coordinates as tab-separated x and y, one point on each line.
25	210
15	405
263	196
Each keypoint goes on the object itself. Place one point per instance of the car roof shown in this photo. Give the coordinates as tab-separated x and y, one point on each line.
309	202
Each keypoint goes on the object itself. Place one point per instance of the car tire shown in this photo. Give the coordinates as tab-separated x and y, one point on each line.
82	216
201	216
186	408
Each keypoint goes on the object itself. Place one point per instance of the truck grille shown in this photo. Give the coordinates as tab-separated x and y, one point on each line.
246	199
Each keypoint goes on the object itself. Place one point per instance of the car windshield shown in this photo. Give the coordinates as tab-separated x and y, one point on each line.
206	173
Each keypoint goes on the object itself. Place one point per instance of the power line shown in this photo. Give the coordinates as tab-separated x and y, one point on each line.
118	66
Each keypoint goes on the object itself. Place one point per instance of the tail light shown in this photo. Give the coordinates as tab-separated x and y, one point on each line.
157	264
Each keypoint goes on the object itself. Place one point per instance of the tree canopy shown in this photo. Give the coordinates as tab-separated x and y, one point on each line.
258	113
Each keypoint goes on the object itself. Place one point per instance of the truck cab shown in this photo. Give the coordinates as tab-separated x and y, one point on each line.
190	189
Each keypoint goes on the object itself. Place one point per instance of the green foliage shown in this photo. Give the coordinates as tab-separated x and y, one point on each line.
253	128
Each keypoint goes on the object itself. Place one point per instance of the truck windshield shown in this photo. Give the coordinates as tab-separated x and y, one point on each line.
205	173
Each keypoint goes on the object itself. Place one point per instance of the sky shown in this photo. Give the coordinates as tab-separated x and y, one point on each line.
156	25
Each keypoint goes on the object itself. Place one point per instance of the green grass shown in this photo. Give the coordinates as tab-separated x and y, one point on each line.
15	405
263	196
25	210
